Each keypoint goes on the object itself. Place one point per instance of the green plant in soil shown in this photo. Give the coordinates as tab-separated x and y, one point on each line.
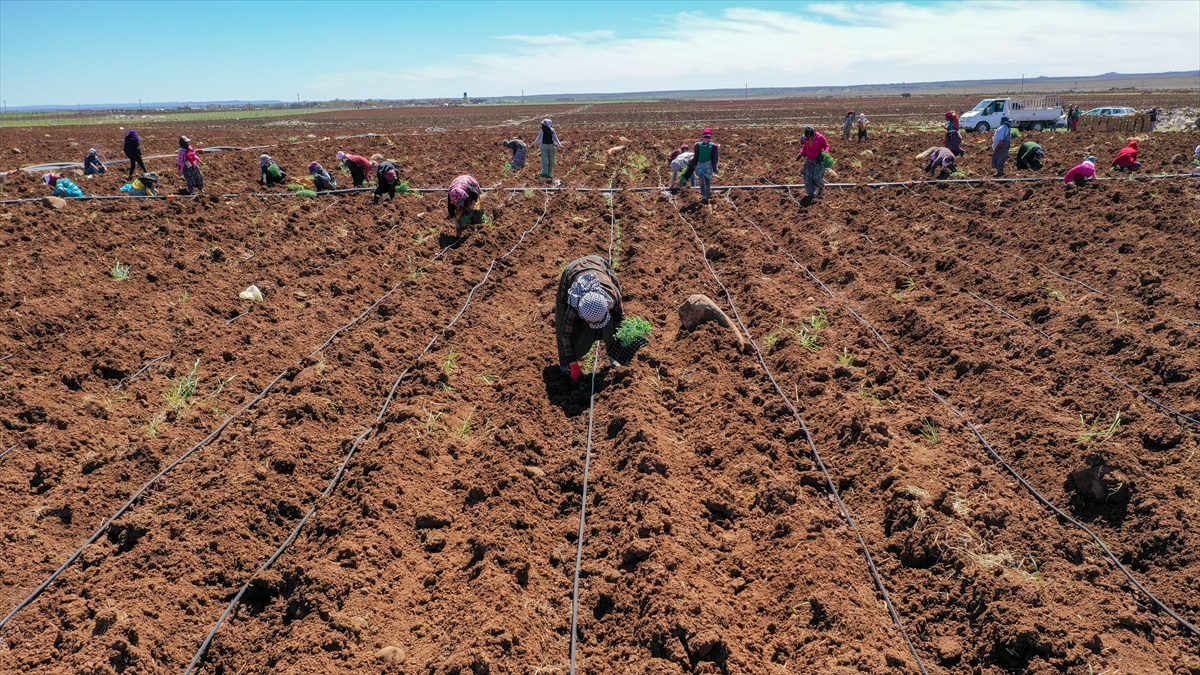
819	321
616	256
425	235
632	328
450	363
488	378
431	421
464	430
183	389
869	393
294	187
909	283
930	431
1099	433
414	272
846	358
119	271
402	187
1056	294
529	194
589	360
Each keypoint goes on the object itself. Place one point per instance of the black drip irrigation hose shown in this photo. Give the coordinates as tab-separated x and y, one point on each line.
1177	318
1152	400
1067	278
1065	516
813	447
1008	467
13	447
143	369
998	309
207	439
337	477
135	497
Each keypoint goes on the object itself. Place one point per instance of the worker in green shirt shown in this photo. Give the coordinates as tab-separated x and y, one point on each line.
1030	156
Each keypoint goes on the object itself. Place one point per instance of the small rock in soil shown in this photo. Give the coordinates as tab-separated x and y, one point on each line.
391	654
699	308
434	543
54	202
1103	484
534	472
949	650
16	151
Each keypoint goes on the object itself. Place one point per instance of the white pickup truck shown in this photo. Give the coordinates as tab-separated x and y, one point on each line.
1026	113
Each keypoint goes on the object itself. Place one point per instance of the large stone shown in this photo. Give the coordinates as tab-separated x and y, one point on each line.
1103	484
699	308
54	202
391	654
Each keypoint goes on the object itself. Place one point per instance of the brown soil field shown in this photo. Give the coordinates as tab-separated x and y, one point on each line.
713	543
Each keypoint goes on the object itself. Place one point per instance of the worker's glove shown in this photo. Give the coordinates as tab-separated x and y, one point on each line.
576	372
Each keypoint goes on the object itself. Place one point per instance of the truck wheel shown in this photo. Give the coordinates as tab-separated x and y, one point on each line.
982	127
1037	126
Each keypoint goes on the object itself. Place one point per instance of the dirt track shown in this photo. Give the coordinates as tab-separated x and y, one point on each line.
711	545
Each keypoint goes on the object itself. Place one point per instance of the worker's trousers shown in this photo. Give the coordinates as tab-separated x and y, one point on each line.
548	152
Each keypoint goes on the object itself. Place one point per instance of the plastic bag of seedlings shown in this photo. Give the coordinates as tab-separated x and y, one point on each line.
827	160
474	217
622	354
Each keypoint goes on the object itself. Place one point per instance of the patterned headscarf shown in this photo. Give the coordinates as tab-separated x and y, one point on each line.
50	179
587	295
458	195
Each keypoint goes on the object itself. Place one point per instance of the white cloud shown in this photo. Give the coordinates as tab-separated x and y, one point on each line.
829	43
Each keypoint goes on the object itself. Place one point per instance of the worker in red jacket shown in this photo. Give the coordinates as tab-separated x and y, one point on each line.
1126	159
360	167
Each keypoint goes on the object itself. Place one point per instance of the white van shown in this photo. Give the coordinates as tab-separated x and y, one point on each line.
1028	113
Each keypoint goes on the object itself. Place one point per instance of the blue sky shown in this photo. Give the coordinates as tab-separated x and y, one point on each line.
64	53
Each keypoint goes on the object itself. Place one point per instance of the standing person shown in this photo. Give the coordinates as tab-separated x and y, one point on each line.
679	161
1081	173
862	127
1001	142
1074	118
953	134
462	199
1153	115
519	149
358	166
547	141
587	308
133	150
387	177
1126	159
271	173
188	162
847	125
92	164
322	181
1030	156
705	162
941	162
814	172
62	186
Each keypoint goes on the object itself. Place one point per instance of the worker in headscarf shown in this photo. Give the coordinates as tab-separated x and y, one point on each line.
92	164
133	150
143	186
679	161
358	166
1126	159
587	308
547	142
462	200
1029	156
814	172
519	150
1001	142
862	127
847	125
706	157
62	186
188	162
941	162
271	173
1082	172
387	178
953	134
322	181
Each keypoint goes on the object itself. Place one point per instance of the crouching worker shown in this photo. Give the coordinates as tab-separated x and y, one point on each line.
1082	173
586	309
92	164
143	186
62	186
322	181
1126	159
519	150
464	196
1030	156
941	162
679	161
387	177
271	173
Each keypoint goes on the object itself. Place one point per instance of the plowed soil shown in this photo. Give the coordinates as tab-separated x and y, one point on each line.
712	544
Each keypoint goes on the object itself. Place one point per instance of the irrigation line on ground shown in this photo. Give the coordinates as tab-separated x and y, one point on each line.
131	378
813	447
337	477
587	464
5	358
1177	318
10	449
1152	400
1067	278
1012	471
1005	313
1065	516
135	497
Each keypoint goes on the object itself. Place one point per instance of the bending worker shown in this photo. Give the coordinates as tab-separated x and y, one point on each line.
519	149
1001	142
357	165
1081	173
272	174
62	186
464	196
941	162
1126	159
387	179
1030	156
679	160
586	309
322	181
547	141
143	186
